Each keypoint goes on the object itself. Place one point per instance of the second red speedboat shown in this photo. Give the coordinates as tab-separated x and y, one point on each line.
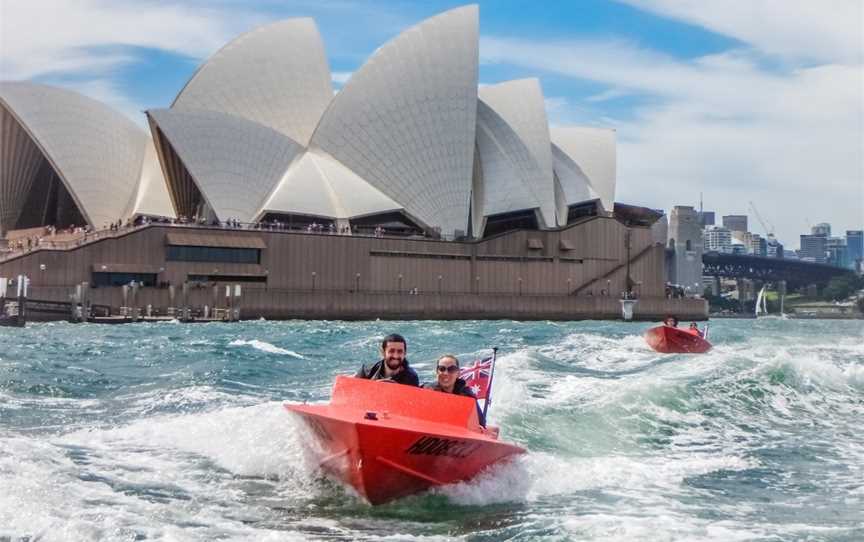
672	340
388	440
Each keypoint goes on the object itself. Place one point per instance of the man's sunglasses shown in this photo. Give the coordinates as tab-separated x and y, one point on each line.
447	369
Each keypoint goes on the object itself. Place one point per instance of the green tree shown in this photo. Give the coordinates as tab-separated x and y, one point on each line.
839	288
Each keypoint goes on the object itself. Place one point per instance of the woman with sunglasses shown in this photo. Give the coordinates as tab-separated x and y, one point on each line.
447	370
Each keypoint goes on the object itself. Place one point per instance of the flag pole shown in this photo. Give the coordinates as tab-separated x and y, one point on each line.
491	376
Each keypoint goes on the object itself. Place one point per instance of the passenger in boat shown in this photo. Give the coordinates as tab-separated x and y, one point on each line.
670	321
447	371
393	365
694	329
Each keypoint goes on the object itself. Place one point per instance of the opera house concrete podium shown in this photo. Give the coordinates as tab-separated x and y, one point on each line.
412	192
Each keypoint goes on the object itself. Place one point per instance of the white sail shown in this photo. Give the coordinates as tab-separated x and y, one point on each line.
761	305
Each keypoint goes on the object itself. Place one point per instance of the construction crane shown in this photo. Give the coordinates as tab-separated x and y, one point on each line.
769	228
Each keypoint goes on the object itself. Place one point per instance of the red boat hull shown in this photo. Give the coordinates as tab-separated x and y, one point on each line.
672	340
388	440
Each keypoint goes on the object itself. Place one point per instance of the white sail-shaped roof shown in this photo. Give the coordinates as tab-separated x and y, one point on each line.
320	186
520	104
511	176
152	198
96	151
405	120
235	163
575	185
593	150
276	75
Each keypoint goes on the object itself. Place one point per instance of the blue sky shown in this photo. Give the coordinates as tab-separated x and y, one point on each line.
741	100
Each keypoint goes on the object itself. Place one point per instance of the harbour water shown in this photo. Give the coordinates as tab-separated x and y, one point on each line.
176	432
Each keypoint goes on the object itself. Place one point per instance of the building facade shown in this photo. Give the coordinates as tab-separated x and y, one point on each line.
813	248
718	238
855	247
735	222
685	241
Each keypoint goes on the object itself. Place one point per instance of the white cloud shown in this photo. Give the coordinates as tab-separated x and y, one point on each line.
828	31
94	37
341	77
606	95
107	92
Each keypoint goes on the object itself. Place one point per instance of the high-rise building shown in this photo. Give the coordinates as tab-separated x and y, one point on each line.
813	248
735	222
718	238
854	246
706	218
756	245
774	249
837	253
822	228
685	239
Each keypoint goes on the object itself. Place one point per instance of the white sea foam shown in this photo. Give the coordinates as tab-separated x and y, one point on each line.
265	347
155	477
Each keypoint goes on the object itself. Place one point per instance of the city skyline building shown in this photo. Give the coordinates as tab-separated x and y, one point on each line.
686	243
735	222
718	238
706	218
822	228
812	248
855	248
774	248
837	253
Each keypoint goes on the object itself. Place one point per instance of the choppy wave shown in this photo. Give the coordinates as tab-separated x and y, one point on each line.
127	433
265	347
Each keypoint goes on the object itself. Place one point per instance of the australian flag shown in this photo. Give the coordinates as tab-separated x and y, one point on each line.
478	376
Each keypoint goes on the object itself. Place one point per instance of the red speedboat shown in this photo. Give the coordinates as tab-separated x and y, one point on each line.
388	440
672	340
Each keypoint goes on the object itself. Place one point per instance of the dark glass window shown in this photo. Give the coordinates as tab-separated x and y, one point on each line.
516	220
121	279
213	254
581	210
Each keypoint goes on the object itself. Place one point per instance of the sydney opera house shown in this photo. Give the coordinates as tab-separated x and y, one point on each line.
455	179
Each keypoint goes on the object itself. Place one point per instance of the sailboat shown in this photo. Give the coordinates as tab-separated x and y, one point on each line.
761	303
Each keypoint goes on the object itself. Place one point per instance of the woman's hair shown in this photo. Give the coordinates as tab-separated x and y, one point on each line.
451	356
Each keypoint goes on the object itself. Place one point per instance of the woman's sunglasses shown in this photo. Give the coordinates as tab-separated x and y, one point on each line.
447	369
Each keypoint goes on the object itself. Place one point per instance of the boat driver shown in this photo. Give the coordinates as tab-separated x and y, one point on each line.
694	329
447	370
393	365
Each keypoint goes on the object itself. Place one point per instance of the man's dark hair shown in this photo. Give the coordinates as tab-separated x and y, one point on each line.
670	317
394	338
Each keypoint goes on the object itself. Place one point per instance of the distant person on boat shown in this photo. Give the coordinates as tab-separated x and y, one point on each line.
694	329
670	321
447	371
393	365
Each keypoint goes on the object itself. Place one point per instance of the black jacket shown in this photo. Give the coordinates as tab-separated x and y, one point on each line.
460	388
406	376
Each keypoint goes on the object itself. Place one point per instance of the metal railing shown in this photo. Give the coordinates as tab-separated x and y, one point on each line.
69	241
